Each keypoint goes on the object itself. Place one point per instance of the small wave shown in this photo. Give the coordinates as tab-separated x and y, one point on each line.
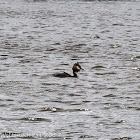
109	95
53	109
107	73
35	119
138	57
122	138
98	67
135	68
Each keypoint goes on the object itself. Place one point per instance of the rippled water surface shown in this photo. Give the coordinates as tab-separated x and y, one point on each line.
39	38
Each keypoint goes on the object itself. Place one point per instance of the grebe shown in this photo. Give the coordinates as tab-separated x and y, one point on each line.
76	68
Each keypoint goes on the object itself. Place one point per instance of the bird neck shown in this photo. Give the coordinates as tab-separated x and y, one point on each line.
74	74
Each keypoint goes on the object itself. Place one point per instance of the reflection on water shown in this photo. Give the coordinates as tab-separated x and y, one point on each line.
44	37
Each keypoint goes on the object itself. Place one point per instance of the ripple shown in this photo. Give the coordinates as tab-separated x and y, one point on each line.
122	138
53	109
98	67
35	119
19	56
120	121
138	57
72	94
25	61
107	73
135	68
118	24
86	136
20	109
109	95
32	119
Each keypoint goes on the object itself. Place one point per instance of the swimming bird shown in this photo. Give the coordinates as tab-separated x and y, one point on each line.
76	68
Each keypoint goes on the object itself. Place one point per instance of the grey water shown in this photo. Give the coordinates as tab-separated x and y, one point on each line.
39	38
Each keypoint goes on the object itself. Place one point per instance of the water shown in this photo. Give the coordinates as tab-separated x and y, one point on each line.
39	38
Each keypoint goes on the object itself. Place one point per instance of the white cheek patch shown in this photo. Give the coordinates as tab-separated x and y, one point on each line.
77	68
